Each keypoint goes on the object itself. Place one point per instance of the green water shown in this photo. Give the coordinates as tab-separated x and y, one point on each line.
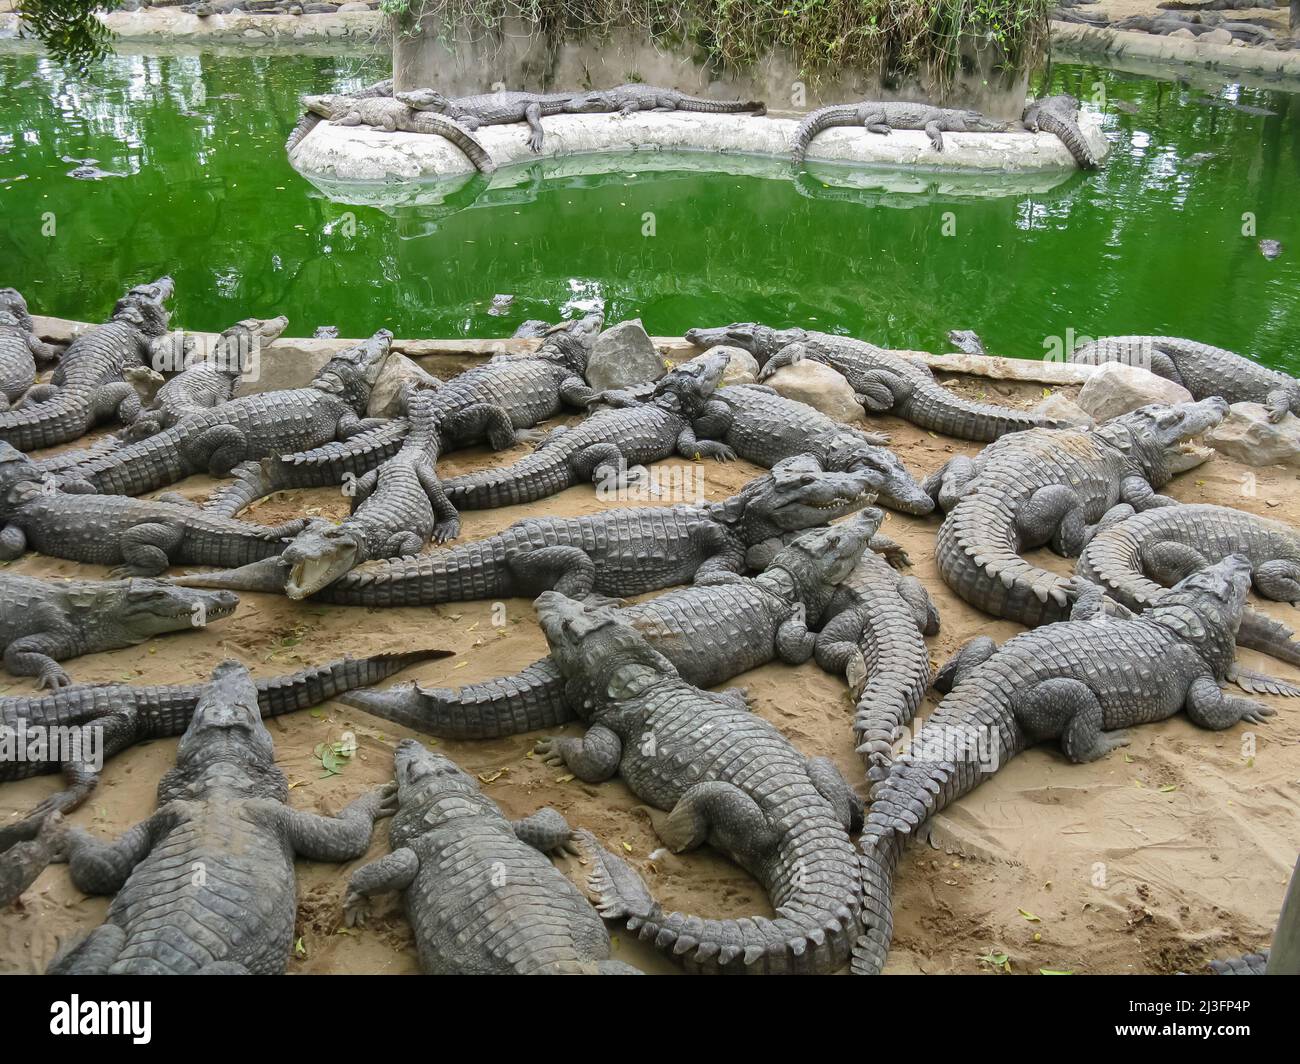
200	188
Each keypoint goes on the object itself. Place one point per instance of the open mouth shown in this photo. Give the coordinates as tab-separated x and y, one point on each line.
309	575
1188	455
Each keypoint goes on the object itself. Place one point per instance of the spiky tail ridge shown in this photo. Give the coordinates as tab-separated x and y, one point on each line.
541	474
893	693
818	121
471	571
309	121
146	465
463	139
307	688
64	416
934	407
1071	136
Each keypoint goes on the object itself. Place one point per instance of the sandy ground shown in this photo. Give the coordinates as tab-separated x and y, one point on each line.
1274	18
1154	859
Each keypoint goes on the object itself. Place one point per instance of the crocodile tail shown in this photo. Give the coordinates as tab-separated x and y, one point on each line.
879	861
250	481
509	705
146	465
541	474
1113	559
469	571
463	139
719	107
816	122
67	461
1261	632
307	688
309	121
894	692
752	945
1071	136
934	407
64	416
331	462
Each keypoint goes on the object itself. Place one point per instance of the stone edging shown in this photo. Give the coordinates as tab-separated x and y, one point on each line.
1091	41
172	26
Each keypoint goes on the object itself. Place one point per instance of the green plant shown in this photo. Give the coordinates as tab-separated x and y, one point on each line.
69	28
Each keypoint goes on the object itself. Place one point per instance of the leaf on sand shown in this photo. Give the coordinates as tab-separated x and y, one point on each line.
563	779
997	960
492	777
1055	971
1029	916
1168	787
299	949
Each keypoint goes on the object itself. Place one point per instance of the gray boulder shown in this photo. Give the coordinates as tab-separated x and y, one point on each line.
742	367
1247	436
1115	389
820	387
1064	411
623	356
398	371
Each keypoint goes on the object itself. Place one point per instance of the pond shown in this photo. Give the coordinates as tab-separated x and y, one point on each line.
182	171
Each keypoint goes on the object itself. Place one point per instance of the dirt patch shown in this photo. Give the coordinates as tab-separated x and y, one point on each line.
1153	859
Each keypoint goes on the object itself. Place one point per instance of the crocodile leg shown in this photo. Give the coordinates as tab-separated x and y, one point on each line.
482	420
339	838
391	873
546	831
935	132
1069	709
972	653
794	642
1278	580
1209	707
99	867
593	759
832	786
218	449
447	520
568	570
93	955
1278	404
1167	563
720	813
146	549
533	116
13	543
36	655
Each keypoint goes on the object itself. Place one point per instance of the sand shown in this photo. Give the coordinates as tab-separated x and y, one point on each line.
1154	859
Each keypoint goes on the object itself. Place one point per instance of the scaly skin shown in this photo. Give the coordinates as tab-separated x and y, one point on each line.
604	447
873	634
1054	487
480	894
206	885
1201	369
139	537
19	348
393	116
763	427
88	386
310	120
494	108
1077	681
728	778
1139	559
881	117
1060	115
396	509
23	862
628	99
43	623
711	632
108	718
250	427
620	552
885	383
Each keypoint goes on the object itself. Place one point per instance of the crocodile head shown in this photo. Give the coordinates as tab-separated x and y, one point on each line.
596	102
319	555
1205	609
20	479
324	105
351	374
602	659
818	561
236	347
978	122
688	387
424	781
13	309
1159	439
758	340
226	745
425	100
570	342
796	494
139	609
895	487
143	306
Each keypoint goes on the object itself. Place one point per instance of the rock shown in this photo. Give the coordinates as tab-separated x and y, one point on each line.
1064	411
1219	36
820	387
1183	35
289	363
742	367
623	356
1247	436
1115	389
386	398
352	5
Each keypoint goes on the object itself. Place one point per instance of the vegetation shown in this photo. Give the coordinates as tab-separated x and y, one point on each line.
69	28
893	36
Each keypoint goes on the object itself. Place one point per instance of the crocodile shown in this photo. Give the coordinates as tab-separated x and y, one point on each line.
1055	487
629	98
496	403
607	446
480	893
881	117
20	348
873	634
886	382
710	631
728	778
88	386
1250	964
75	729
43	623
1201	369
1078	681
396	508
310	119
206	885
253	426
138	537
1138	559
626	551
23	862
1059	115
393	115
764	427
208	381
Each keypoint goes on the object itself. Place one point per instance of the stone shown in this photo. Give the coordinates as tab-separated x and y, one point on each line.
1219	36
742	367
624	356
398	371
820	387
1183	35
1115	389
1247	436
352	6
289	363
1064	411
